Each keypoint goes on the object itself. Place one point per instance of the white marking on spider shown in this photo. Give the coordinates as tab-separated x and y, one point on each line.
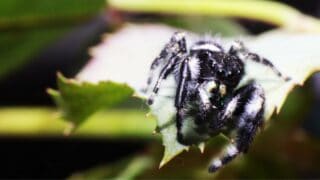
232	105
254	105
237	45
179	35
194	66
232	150
223	89
216	163
210	86
204	97
210	47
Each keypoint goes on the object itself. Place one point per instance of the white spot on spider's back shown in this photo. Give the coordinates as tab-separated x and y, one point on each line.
208	46
194	66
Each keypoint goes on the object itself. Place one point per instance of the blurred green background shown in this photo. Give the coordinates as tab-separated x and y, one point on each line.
40	37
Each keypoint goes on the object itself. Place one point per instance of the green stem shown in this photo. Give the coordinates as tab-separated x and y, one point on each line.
266	11
45	122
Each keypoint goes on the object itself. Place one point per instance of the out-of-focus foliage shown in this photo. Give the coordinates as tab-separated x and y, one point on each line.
26	27
17	13
17	47
276	46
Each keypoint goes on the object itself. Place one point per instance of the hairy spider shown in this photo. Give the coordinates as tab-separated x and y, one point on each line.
208	92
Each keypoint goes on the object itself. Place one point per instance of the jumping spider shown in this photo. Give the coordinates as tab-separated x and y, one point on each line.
207	92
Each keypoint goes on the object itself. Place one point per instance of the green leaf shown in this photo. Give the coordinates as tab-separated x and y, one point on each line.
125	57
287	50
294	54
79	100
110	62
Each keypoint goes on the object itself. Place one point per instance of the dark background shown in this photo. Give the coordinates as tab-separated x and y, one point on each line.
57	157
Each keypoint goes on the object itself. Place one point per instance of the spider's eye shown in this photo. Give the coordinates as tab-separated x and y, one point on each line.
221	73
204	54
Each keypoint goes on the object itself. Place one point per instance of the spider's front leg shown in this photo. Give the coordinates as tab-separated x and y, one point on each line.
170	56
245	110
239	49
180	98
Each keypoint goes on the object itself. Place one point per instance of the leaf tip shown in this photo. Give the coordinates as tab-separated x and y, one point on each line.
169	155
162	163
52	92
135	94
60	75
202	146
69	129
149	114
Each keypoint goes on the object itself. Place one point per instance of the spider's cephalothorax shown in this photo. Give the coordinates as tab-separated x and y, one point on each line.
208	93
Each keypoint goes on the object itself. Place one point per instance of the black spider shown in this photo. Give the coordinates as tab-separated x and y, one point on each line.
208	92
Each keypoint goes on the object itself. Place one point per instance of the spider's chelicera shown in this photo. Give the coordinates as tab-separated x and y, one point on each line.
208	93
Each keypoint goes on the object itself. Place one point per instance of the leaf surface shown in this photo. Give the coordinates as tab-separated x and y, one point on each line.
125	57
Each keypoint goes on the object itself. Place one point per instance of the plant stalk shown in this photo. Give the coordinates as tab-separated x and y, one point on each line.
46	122
266	11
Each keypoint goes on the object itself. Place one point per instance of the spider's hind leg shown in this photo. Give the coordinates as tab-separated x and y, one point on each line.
248	117
180	98
239	49
266	62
